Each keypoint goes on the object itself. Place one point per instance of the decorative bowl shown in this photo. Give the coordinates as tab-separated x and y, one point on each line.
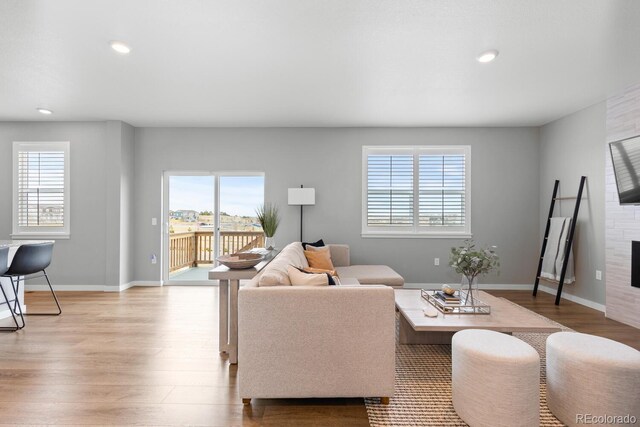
240	260
448	289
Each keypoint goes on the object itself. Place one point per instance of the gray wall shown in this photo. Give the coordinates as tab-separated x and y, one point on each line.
569	148
79	260
111	190
119	193
505	189
127	212
99	251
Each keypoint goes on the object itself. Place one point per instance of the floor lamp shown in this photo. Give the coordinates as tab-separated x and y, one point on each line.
302	197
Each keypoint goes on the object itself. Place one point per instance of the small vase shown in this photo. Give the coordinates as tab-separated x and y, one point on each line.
270	243
470	286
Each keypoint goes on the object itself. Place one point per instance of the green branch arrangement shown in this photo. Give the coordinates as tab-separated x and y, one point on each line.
471	261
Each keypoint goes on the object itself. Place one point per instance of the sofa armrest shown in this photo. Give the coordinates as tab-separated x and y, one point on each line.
340	256
316	342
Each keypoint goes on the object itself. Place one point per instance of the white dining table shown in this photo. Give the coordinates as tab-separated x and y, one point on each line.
13	246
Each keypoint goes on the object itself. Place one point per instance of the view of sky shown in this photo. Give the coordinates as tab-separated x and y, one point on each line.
239	195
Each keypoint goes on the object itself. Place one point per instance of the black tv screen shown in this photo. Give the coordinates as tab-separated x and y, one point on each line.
625	155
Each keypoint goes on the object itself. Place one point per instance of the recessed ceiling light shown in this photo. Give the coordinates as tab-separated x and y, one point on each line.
487	56
120	47
44	111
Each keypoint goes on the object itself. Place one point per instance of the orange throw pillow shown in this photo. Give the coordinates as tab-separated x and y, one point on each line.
319	259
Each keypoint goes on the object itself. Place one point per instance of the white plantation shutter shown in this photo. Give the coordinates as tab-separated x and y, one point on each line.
390	190
41	188
442	190
417	191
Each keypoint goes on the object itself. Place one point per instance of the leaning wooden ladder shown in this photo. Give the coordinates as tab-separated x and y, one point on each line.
569	244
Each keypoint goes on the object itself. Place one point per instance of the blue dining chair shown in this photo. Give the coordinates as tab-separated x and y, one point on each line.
29	260
4	267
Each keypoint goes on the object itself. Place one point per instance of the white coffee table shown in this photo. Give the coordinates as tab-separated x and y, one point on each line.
416	328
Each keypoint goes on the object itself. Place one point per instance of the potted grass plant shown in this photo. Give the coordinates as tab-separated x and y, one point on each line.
269	219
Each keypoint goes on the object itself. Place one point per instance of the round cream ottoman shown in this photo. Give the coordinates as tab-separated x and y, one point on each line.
592	380
495	379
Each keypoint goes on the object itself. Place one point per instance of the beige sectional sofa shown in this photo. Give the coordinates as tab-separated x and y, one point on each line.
364	274
315	341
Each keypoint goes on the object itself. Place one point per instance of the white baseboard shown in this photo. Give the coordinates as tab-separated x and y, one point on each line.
91	288
125	286
517	287
146	283
573	298
40	287
118	288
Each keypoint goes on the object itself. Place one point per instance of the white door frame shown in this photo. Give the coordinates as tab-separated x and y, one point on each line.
216	217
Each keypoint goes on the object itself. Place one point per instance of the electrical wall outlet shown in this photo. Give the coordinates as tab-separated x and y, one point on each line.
436	261
598	275
154	259
154	221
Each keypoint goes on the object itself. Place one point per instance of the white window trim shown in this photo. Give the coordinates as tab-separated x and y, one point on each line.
415	231
63	232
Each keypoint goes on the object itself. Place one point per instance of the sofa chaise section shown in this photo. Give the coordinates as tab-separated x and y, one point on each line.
365	274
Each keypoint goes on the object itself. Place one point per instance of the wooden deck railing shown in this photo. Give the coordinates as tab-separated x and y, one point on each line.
193	248
181	250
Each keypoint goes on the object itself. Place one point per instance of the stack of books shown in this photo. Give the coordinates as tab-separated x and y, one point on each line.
453	304
446	298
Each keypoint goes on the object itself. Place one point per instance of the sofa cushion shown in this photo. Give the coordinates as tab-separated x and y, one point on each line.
314	244
372	274
275	273
315	248
319	258
320	270
340	255
300	278
347	281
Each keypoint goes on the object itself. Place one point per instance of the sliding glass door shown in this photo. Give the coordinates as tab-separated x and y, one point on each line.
239	229
207	214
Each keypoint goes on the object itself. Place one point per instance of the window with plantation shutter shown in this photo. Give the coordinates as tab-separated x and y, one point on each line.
390	190
442	190
41	189
417	191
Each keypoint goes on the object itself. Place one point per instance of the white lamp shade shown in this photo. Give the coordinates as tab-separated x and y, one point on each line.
302	196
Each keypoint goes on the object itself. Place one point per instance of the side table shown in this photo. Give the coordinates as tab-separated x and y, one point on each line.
228	307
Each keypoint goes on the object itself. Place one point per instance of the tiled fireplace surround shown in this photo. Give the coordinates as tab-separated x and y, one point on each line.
622	223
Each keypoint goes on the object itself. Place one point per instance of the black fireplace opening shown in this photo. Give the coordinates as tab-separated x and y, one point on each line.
635	264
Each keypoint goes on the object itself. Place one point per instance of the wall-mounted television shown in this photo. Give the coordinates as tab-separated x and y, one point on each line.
625	155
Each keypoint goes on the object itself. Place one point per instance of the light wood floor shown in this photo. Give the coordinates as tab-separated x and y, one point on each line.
576	316
148	356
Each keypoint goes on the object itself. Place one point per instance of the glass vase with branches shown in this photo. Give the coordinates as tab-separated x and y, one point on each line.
472	262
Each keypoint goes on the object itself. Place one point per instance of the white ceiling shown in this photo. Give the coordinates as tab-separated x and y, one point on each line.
314	63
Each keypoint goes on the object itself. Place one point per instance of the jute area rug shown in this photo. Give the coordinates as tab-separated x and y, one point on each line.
423	387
